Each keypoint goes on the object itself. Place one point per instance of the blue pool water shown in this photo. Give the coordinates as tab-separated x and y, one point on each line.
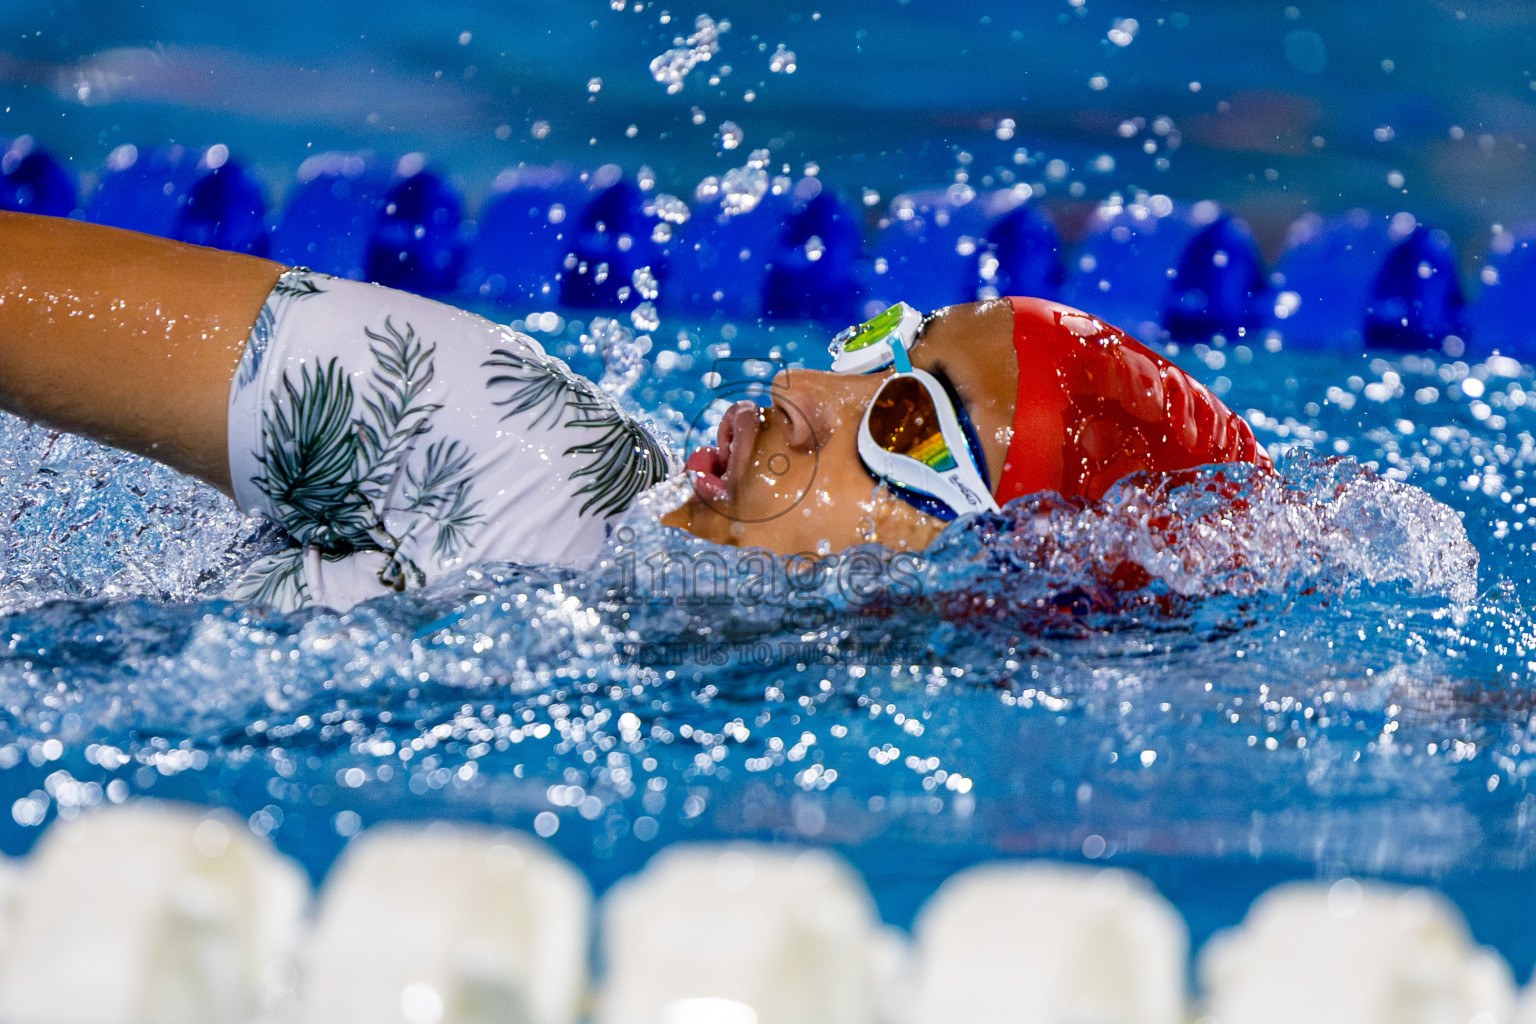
1319	676
1322	671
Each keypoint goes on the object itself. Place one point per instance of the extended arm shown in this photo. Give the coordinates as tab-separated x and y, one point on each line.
125	338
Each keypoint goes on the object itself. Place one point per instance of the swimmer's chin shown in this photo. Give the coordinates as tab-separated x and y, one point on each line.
680	518
895	525
697	517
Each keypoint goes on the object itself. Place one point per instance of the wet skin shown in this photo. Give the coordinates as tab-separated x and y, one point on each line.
126	338
789	478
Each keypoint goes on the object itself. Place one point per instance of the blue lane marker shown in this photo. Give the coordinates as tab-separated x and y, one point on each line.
1025	256
818	266
524	233
224	208
1416	300
416	244
31	181
1323	281
927	247
1219	286
1501	318
331	213
143	190
1124	269
614	237
719	264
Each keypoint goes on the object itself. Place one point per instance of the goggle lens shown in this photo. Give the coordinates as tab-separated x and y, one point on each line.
904	421
870	332
876	342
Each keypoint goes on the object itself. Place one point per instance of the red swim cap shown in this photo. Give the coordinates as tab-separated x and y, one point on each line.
1096	404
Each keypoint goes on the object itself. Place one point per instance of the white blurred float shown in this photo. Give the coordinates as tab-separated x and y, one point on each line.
448	925
1042	943
1353	953
150	913
744	934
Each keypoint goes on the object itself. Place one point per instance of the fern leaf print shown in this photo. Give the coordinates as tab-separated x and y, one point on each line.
298	283
620	460
394	438
331	457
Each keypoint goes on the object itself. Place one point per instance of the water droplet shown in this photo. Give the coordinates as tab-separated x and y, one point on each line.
644	317
668	208
123	157
672	67
1345	897
740	189
645	283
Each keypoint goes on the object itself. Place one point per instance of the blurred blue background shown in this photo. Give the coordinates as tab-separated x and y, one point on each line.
1275	109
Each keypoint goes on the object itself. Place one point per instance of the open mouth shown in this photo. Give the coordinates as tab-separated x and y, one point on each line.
716	467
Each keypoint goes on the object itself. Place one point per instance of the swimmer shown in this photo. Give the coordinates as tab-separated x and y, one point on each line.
397	439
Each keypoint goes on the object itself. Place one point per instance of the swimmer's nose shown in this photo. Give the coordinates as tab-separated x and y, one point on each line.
810	401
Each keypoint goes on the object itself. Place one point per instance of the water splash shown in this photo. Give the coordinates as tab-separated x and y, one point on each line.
1151	555
623	351
740	189
1159	547
669	211
672	67
645	284
1315	526
82	521
644	317
668	208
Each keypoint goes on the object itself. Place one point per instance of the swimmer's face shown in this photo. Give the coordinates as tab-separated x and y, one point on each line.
788	477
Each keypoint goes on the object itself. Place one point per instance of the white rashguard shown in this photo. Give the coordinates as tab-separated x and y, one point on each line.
396	439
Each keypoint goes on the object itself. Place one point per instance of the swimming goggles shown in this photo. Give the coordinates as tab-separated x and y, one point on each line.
915	435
